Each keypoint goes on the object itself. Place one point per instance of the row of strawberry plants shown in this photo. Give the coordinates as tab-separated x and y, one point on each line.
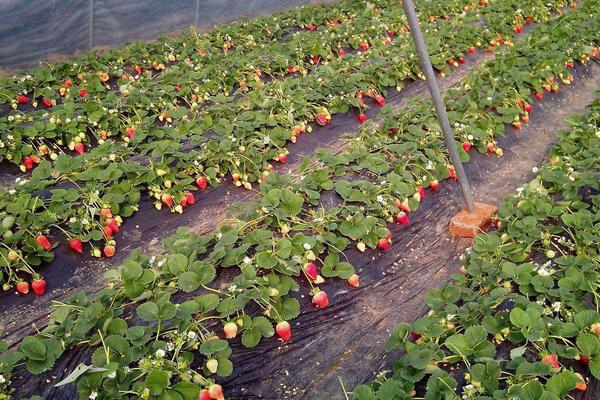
107	185
521	320
281	237
187	83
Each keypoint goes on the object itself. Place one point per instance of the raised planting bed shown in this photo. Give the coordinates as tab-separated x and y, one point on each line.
311	231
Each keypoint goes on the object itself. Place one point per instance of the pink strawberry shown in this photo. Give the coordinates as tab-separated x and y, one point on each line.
130	132
283	330
80	148
472	50
167	199
216	392
320	299
552	360
421	191
47	102
354	281
282	158
109	250
364	46
321	119
380	100
23	287
230	330
76	245
341	52
434	185
311	270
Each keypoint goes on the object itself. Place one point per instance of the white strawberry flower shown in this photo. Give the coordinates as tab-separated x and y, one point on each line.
160	353
2	379
93	395
307	246
247	260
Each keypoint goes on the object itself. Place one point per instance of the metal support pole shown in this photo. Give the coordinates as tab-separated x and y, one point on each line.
440	108
91	23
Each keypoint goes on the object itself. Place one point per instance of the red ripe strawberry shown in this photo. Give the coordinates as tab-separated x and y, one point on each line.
130	132
67	83
113	225
201	182
282	157
383	244
80	148
380	100
138	69
315	59
28	162
466	146
22	99
402	218
362	118
167	199
203	395
354	281
38	286
311	27
391	33
230	330
43	242
310	269
528	108
596	53
47	102
461	60
341	52
434	185
552	360
23	287
320	299
528	20
107	232
83	93
415	335
389	235
364	46
189	198
76	245
109	250
584	359
539	95
283	330
216	392
472	50
393	131
421	192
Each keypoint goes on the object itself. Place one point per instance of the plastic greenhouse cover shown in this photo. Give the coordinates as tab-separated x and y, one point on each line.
42	30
